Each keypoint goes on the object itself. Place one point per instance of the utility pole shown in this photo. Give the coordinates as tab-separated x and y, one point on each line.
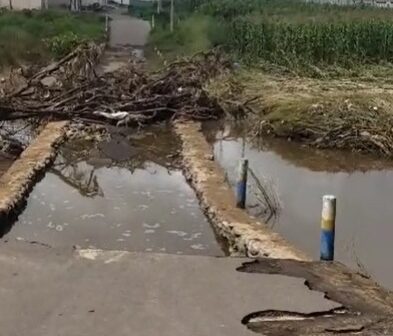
158	6
75	5
172	15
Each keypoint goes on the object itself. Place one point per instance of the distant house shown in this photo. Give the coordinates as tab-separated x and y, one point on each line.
21	4
42	4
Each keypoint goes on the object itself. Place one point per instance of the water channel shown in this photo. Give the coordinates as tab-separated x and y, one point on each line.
299	176
126	193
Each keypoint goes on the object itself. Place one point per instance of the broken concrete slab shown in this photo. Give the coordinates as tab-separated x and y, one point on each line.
354	290
246	235
19	178
324	325
368	307
92	292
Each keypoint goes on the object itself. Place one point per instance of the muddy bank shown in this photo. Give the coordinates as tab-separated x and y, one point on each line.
21	175
351	113
15	136
245	234
5	163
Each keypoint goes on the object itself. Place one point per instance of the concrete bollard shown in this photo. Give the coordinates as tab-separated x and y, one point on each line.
328	223
241	184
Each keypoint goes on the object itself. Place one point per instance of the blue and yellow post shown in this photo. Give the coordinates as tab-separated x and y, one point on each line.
241	184
328	223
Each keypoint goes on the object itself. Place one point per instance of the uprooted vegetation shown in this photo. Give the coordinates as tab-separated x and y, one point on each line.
38	36
71	89
344	114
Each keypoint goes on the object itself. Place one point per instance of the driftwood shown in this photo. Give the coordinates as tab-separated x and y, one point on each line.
71	89
268	201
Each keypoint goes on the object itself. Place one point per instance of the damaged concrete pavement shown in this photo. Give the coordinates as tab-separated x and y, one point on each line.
64	291
68	292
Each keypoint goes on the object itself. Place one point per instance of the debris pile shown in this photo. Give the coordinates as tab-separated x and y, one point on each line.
338	126
71	89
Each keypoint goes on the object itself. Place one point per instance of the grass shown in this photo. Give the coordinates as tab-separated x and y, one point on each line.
284	97
344	113
319	74
191	36
291	11
27	36
291	34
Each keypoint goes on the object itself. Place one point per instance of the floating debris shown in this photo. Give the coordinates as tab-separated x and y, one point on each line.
151	226
197	247
178	233
93	216
143	207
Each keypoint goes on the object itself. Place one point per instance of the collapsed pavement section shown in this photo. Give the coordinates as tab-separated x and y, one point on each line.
67	292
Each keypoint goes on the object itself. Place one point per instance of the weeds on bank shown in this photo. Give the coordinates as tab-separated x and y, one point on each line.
35	36
303	37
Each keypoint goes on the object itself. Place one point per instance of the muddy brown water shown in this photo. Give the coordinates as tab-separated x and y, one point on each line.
124	194
300	176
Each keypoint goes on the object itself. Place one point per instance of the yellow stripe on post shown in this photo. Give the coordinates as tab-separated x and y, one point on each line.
327	224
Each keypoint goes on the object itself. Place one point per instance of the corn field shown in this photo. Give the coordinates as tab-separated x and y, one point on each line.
343	43
290	32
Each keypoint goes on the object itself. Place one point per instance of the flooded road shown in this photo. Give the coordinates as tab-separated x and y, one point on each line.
299	177
126	193
122	194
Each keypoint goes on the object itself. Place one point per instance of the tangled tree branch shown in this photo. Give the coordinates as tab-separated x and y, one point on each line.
71	89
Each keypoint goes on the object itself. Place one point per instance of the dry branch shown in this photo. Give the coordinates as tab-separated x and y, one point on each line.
71	89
